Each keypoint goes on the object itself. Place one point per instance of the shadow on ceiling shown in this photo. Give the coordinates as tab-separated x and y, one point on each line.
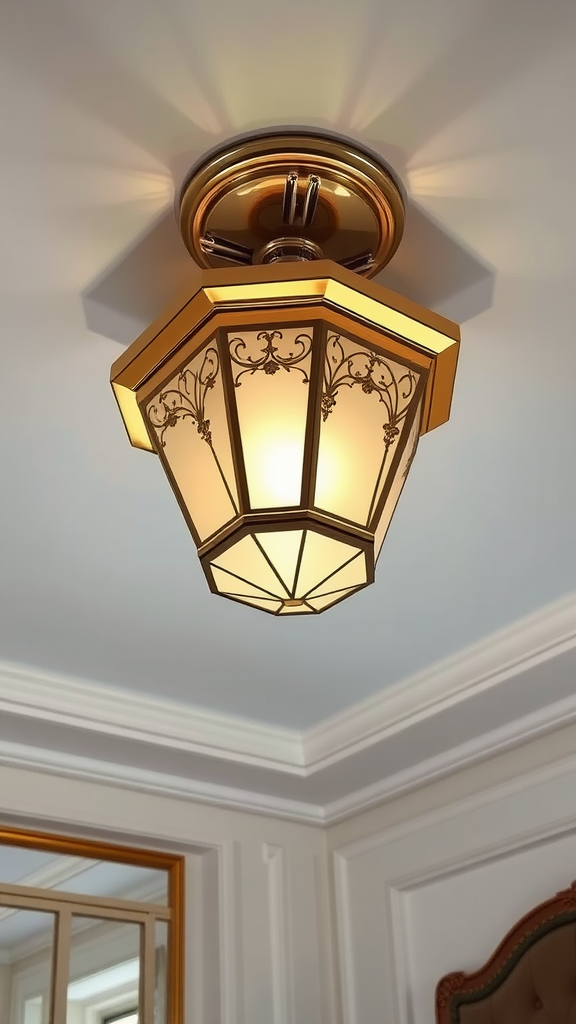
431	267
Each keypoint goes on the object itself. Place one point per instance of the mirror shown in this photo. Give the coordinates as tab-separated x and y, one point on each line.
89	933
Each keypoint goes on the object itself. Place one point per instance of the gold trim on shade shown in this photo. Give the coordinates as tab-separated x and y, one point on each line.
282	293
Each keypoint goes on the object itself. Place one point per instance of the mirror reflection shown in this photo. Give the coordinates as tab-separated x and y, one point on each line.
75	934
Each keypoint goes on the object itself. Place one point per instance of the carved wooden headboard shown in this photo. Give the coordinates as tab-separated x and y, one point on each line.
530	979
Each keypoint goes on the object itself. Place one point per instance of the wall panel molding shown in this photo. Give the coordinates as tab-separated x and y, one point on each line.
345	952
375	876
231	995
280	938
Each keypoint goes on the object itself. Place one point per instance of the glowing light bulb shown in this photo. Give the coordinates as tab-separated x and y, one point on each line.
282	470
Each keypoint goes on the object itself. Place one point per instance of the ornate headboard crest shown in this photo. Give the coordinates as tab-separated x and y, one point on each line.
457	990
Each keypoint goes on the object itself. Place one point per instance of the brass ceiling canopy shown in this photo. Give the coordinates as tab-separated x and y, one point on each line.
252	200
285	394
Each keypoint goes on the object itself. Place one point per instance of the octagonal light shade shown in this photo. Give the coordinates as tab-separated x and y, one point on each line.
286	412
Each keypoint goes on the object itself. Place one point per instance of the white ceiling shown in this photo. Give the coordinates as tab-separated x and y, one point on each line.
102	106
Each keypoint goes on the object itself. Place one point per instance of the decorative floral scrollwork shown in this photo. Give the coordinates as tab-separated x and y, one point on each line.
187	399
269	358
374	375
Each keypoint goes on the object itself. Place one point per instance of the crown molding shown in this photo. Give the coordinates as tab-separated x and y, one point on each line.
465	755
362	799
280	752
526	643
151	720
230	797
561	772
72	766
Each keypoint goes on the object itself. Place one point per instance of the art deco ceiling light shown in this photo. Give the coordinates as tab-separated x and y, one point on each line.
285	393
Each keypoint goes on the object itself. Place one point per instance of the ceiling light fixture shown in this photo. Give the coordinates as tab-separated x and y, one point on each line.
286	394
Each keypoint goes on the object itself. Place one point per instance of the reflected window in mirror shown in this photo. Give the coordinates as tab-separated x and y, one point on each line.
89	933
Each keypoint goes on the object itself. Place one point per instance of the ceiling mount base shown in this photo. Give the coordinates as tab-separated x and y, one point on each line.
295	195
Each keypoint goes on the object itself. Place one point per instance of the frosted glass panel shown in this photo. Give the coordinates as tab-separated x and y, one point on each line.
270	371
188	419
408	454
366	397
264	604
319	565
351	575
246	560
283	549
321	557
230	584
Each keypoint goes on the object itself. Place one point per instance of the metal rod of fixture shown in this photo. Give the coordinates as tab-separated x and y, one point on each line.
290	198
251	194
224	249
311	200
363	261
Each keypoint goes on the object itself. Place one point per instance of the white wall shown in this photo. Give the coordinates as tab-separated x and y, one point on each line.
422	885
421	896
258	949
456	922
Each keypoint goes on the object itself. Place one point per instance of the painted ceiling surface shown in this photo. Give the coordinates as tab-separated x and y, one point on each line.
104	106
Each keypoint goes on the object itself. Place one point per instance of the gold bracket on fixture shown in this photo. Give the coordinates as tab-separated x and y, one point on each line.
292	196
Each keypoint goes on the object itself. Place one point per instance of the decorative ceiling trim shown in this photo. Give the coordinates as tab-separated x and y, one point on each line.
465	755
157	722
528	642
151	720
231	797
72	766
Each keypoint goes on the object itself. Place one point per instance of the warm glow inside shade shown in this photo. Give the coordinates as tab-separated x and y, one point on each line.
365	401
188	418
311	570
271	374
285	402
287	447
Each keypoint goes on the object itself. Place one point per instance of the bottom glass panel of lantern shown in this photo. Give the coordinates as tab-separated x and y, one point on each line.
329	564
289	571
245	562
283	548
